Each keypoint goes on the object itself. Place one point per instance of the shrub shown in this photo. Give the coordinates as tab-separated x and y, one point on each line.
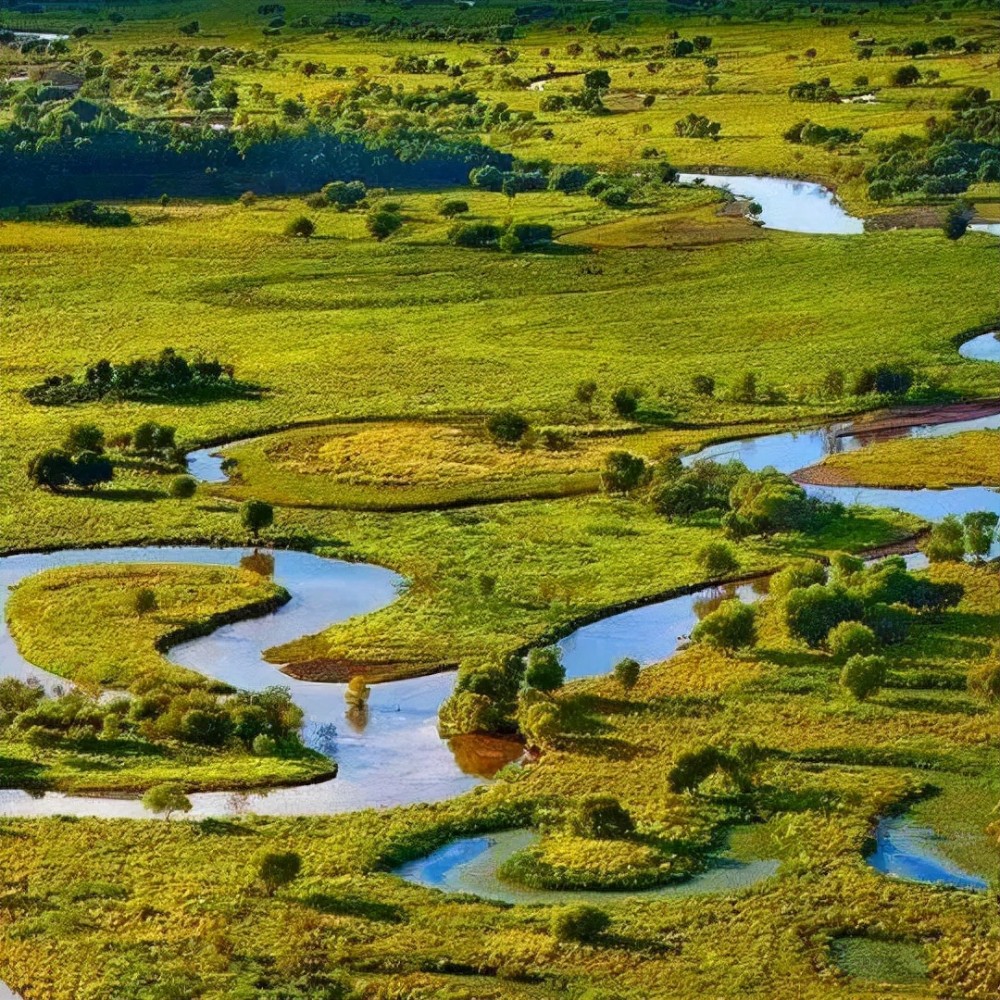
581	923
568	178
946	541
692	767
623	472
730	627
905	76
301	227
717	559
183	487
796	575
507	427
811	612
626	672
625	402
453	207
601	817
276	869
863	676
474	234
264	745
150	437
344	194
248	199
91	469
697	127
545	671
851	639
980	531
144	601
469	712
84	437
51	469
703	385
382	222
890	624
509	243
255	515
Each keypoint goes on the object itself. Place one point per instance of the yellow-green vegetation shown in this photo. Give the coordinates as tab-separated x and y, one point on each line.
105	627
410	327
830	767
968	459
758	57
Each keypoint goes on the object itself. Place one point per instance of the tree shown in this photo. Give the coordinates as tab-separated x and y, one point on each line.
946	541
381	223
150	437
601	817
797	574
625	402
730	627
597	79
540	723
183	487
863	676
703	385
717	559
626	672
581	923
905	76
488	178
300	227
255	515
144	601
849	639
357	691
980	531
623	472
166	799
811	612
584	394
51	469
189	28
695	126
91	469
207	727
276	869
507	427
248	199
956	222
702	43
84	437
545	671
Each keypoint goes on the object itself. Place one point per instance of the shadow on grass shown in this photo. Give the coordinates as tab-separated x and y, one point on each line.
348	905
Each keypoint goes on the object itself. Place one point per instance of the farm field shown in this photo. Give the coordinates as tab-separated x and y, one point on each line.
499	501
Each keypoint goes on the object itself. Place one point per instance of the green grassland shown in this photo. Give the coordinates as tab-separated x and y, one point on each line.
80	623
186	910
969	459
757	62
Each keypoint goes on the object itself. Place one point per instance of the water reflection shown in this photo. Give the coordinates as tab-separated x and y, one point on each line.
261	563
907	851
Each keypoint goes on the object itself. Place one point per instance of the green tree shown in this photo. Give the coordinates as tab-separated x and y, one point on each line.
183	487
150	437
84	437
584	394
301	227
717	559
703	385
276	869
946	541
730	627
626	672
91	469
452	207
863	676
545	671
52	469
623	472
849	639
980	532
507	427
811	612
144	601
625	402
797	574
905	76
957	220
255	515
581	922
381	223
540	723
166	799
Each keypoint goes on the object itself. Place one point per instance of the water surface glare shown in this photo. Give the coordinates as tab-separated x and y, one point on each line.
794	206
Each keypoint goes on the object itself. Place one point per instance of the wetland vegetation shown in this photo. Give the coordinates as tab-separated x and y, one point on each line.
470	422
